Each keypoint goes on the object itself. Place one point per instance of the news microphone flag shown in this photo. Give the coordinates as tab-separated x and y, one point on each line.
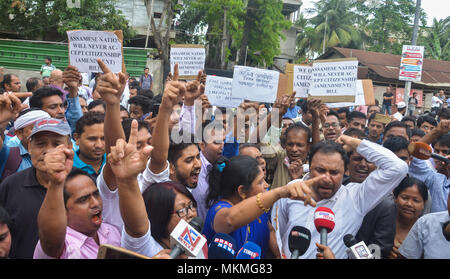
222	246
356	250
299	241
249	250
186	238
324	222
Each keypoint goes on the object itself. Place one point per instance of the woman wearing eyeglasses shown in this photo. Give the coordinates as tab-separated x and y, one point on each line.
239	203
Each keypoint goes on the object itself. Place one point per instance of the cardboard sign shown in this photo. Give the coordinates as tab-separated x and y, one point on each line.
334	80
364	95
301	80
190	59
255	84
85	46
218	90
411	63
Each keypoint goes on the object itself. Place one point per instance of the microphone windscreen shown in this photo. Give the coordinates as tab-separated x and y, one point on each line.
324	218
197	223
222	246
349	240
299	239
420	150
249	250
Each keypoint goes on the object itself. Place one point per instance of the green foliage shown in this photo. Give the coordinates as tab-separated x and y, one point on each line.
437	40
33	19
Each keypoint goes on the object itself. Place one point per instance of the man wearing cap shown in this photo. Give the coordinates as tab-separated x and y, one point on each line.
22	193
401	110
16	149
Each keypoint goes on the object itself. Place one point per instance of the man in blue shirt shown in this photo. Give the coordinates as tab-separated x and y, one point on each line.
293	111
89	136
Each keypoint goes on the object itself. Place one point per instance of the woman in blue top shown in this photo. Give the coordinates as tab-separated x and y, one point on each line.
239	204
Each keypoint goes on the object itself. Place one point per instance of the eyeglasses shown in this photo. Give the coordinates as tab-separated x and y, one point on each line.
184	211
328	125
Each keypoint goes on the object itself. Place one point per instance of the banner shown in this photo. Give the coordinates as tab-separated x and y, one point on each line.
190	59
218	90
411	63
85	46
255	84
364	95
334	80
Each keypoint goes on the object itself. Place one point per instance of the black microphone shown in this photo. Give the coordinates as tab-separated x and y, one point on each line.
356	250
299	240
186	238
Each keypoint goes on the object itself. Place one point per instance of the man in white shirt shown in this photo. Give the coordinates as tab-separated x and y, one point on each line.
436	102
350	204
401	110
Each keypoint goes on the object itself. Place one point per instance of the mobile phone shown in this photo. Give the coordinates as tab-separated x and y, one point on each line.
107	251
155	110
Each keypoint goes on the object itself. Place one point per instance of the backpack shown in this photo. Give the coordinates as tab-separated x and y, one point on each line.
13	162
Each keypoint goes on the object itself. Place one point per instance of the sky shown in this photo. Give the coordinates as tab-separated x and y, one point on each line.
439	9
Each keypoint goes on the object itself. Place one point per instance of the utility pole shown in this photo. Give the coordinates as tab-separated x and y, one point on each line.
413	42
324	34
223	52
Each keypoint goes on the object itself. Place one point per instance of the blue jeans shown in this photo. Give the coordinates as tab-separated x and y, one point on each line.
386	107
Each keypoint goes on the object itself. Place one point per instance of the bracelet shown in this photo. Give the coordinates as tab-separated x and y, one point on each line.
259	203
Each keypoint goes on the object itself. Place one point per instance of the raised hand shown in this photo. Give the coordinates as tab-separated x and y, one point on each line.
58	163
10	105
173	92
283	103
301	190
126	162
314	106
348	143
71	76
109	85
194	89
295	169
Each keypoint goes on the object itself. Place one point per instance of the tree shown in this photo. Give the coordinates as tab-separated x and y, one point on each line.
49	20
334	24
389	23
437	40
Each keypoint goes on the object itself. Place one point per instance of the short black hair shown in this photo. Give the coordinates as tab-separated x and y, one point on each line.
355	133
426	118
95	103
146	92
397	123
43	92
355	114
72	174
176	148
89	119
443	140
396	143
5	219
49	59
409	181
444	113
299	126
344	110
332	112
126	126
134	85
145	103
248	144
409	118
328	147
32	83
417	132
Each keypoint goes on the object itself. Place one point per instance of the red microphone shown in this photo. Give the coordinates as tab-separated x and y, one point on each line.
324	222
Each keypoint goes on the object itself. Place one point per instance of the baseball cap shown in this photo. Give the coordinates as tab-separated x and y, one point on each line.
54	125
401	105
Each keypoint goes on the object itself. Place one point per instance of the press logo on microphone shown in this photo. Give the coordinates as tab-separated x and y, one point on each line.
324	215
252	254
189	238
225	245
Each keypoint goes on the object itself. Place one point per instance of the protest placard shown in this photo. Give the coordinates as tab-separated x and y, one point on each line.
411	63
334	80
218	90
364	95
85	46
299	78
255	84
190	59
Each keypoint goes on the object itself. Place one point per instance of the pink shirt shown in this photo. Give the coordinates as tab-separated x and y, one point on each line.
80	246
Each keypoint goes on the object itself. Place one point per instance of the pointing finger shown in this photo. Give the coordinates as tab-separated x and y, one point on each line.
175	73
102	65
133	132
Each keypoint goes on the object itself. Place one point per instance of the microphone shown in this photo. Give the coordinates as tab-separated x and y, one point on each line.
223	246
249	250
324	222
299	240
186	238
356	250
423	151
